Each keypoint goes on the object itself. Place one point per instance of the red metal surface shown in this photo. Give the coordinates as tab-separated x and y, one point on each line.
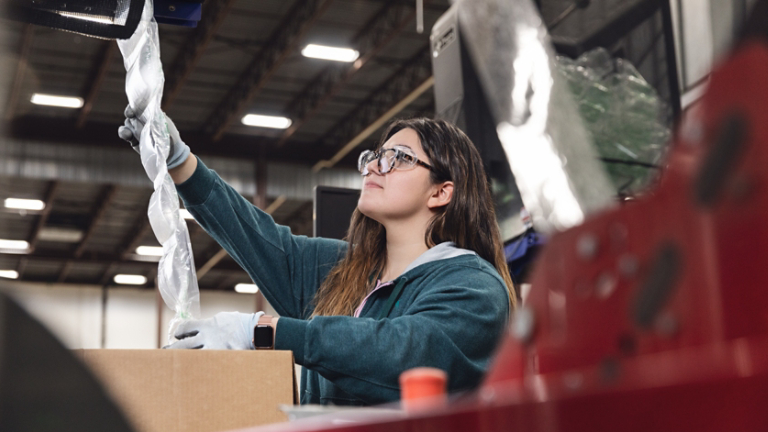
701	363
583	303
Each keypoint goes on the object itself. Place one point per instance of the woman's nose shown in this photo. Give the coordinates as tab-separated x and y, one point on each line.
373	167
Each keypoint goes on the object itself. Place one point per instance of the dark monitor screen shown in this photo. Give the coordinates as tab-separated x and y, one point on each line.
333	211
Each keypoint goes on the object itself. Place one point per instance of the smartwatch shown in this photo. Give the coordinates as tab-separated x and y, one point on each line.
264	333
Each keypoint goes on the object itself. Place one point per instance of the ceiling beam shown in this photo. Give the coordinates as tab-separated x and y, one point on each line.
298	223
139	232
97	259
211	262
404	86
276	204
280	44
50	194
376	34
21	69
434	6
132	242
129	244
104	259
104	135
376	124
42	218
105	199
213	16
95	80
194	230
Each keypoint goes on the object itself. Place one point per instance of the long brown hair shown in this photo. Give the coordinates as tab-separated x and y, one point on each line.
468	219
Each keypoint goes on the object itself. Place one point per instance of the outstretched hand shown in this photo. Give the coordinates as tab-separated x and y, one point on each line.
226	330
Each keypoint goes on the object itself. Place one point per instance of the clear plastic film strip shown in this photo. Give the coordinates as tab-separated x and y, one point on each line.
550	152
176	276
628	121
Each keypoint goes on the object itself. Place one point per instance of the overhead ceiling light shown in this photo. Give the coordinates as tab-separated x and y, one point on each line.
62	235
273	122
186	214
98	19
244	288
9	274
129	279
150	250
24	204
330	53
13	244
57	101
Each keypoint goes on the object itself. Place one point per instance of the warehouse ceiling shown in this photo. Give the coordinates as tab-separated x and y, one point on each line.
244	57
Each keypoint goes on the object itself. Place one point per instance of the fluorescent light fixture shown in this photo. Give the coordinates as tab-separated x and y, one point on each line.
330	53
98	19
61	235
129	279
244	288
150	250
13	244
186	214
57	101
9	274
273	122
24	204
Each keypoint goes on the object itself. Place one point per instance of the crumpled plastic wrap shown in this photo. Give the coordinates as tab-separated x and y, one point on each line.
623	113
556	168
176	277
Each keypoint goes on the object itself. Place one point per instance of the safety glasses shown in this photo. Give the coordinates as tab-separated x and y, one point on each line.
388	160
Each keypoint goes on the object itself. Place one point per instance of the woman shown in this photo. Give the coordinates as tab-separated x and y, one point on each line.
421	280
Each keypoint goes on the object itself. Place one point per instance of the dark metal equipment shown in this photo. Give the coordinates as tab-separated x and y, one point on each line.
104	19
460	100
43	387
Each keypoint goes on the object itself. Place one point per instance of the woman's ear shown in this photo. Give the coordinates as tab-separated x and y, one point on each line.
441	195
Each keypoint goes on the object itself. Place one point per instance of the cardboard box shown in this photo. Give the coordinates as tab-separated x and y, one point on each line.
196	390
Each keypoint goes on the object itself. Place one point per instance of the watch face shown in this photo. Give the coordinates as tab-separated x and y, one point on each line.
263	336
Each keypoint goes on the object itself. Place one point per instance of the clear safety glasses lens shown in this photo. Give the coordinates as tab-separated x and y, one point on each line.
362	162
388	160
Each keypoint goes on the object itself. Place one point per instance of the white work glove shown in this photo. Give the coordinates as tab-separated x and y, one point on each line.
131	132
226	330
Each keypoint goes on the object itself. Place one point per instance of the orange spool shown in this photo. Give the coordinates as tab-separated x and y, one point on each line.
423	388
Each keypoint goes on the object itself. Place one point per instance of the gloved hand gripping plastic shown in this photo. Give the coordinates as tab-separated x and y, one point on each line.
176	276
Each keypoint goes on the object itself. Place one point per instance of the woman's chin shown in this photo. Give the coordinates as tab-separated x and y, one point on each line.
367	211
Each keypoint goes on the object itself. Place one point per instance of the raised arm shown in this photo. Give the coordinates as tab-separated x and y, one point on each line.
287	268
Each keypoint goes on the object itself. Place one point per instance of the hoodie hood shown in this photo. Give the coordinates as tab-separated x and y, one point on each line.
442	251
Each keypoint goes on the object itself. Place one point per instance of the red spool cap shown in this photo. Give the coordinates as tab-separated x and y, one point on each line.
423	387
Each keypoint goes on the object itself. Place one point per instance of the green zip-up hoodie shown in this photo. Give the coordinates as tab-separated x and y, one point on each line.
450	313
